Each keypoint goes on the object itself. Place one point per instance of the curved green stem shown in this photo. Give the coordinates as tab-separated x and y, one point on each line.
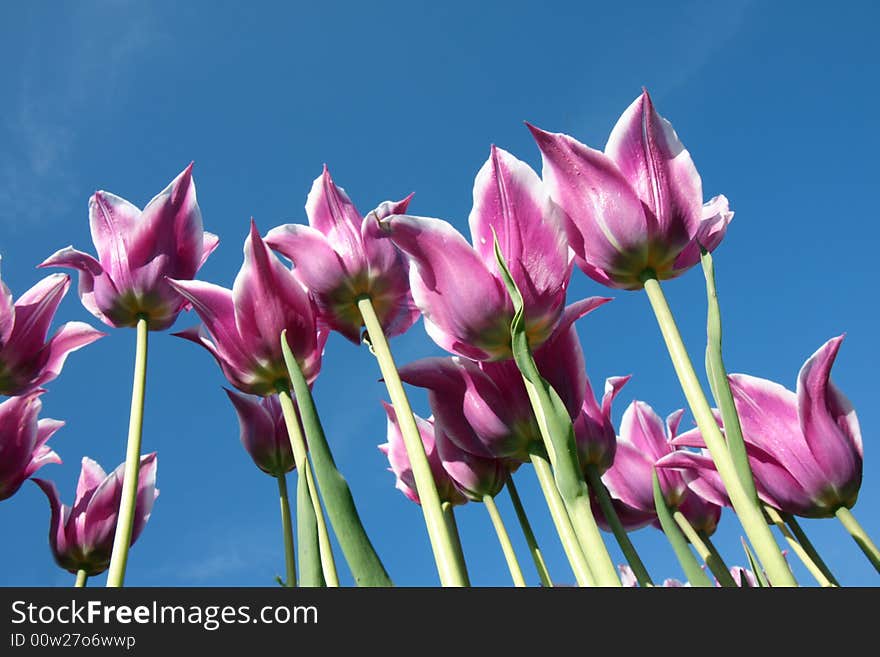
531	541
504	539
746	509
629	550
676	538
808	546
442	543
776	518
582	573
287	530
81	578
452	526
860	536
710	557
128	498
298	446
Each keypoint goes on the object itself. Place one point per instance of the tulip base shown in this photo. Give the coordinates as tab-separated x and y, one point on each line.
81	579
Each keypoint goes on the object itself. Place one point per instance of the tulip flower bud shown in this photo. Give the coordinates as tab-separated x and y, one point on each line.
264	432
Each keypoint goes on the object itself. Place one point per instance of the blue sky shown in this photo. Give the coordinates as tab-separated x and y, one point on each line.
771	99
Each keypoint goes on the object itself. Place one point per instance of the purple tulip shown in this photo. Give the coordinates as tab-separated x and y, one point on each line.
475	476
264	432
341	257
593	428
23	437
458	287
137	251
244	324
637	207
743	577
642	442
804	448
628	579
398	458
484	408
81	536
27	361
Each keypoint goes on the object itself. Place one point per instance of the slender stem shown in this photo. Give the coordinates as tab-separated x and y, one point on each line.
287	530
311	573
577	502
442	542
677	540
711	559
617	528
298	445
804	540
81	578
128	498
776	518
452	525
746	509
582	573
504	539
531	541
859	535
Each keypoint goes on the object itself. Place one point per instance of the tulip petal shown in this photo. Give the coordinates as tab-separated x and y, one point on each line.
475	476
89	269
649	154
90	477
34	311
383	259
315	262
626	478
146	494
561	362
643	429
605	216
703	478
7	313
331	212
210	241
67	339
112	221
613	386
59	515
466	310
710	231
215	307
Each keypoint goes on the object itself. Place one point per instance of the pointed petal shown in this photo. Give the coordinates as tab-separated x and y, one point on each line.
214	306
703	478
644	430
112	220
613	386
453	288
629	478
315	262
605	216
383	258
90	477
146	494
67	339
210	242
711	230
331	212
7	313
60	513
659	168
34	312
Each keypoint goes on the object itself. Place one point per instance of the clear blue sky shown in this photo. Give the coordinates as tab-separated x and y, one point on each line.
771	98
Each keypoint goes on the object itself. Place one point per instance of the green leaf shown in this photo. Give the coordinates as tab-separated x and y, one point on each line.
689	564
361	556
720	385
311	574
753	564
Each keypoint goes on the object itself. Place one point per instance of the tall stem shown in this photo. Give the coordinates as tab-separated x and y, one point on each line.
452	526
128	498
860	536
531	541
746	509
776	518
442	542
287	530
81	578
298	445
582	573
709	557
504	539
620	533
804	540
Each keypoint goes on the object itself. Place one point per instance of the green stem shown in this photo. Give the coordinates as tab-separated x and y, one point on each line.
128	498
710	557
859	535
311	573
81	578
629	550
576	498
504	539
452	526
287	530
776	518
745	507
676	538
442	542
531	541
804	540
300	457
582	573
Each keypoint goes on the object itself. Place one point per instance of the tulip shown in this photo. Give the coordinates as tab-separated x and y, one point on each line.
398	459
484	408
477	477
244	325
27	360
342	257
804	448
137	251
23	437
81	536
593	428
264	432
459	288
635	209
629	580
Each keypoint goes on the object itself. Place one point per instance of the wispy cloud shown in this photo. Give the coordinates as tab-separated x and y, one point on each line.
51	89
